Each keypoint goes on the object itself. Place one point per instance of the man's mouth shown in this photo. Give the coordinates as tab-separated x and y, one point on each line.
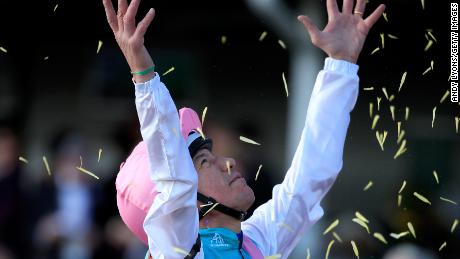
235	178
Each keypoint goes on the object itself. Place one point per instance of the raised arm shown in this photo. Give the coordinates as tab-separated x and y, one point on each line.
278	225
172	220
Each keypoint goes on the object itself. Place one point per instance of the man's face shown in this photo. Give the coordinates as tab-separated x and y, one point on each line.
215	181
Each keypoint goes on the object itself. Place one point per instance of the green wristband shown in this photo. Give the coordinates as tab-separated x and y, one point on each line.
144	72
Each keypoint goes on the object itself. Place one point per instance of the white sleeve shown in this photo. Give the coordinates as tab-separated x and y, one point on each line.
278	225
172	220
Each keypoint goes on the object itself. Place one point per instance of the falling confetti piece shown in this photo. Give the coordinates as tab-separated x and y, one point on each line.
275	256
434	116
454	225
447	200
392	97
55	7
332	226
407	114
402	186
432	36
81	162
83	170
403	79
378	103
368	88
369	185
457	119
432	64
384	90
361	217
203	115
399	200
329	248
398	236
308	253
374	121
382	38
444	96
375	50
258	171
45	161
228	167
391	36
281	43
206	205
210	209
392	110
336	236
3	50
380	237
371	109
381	138
399	128
46	58
427	70
285	85
99	45
428	45
201	133
411	229
355	248
22	159
385	16
436	176
362	224
284	225
99	155
422	198
402	149
442	246
250	141
423	4
169	71
180	250
403	133
223	39
262	36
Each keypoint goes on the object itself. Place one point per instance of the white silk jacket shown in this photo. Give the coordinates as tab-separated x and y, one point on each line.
276	226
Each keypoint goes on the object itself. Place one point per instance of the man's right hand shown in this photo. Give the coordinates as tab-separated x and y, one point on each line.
130	38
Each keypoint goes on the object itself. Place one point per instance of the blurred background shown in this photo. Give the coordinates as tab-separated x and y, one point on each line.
62	100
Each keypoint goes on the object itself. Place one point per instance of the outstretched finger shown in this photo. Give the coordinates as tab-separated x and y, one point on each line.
311	28
143	25
347	6
130	16
111	15
372	19
332	9
360	6
122	6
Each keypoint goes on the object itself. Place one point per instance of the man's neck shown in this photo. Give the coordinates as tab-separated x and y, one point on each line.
220	220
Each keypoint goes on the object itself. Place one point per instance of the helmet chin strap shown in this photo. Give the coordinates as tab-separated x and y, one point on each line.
237	214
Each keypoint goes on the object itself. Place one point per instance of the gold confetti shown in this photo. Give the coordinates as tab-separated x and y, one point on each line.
403	79
375	120
22	159
380	237
402	149
436	176
434	117
228	166
336	236
422	198
392	110
83	170
45	161
399	200
454	225
457	119
361	217
427	70
442	246
223	39
203	115
392	97
382	38
99	155
407	114
375	50
369	185
55	7
399	128
398	236
432	64
362	224
281	43
371	109
262	36
403	133
368	88
391	36
99	45
378	103
402	186
384	90
81	162
205	205
258	171
308	253
180	250
444	96
423	4
381	138
201	133
428	45
210	209
282	224
250	141
385	16
46	58
411	229
332	226
275	256
168	71
432	36
3	50
329	248
447	200
355	248
285	85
